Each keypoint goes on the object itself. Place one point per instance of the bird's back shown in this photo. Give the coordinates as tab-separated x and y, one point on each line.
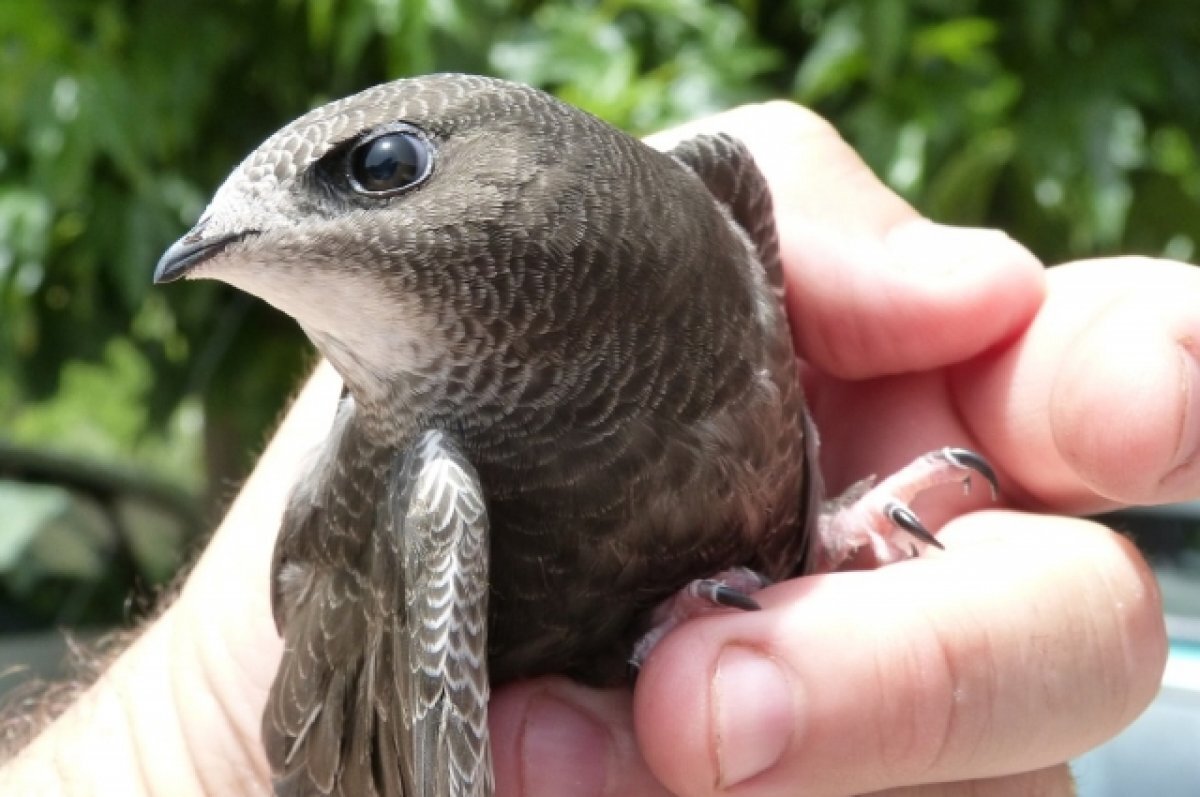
674	447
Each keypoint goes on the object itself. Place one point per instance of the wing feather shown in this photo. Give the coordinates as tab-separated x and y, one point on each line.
727	169
444	551
382	689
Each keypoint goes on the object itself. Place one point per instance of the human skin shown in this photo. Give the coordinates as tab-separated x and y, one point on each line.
1032	638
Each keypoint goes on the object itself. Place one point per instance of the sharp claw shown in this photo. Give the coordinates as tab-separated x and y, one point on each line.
968	459
906	519
727	596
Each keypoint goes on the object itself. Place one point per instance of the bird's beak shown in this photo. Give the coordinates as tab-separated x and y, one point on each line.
190	251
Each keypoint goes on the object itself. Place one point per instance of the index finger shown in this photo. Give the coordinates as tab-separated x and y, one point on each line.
873	288
1098	403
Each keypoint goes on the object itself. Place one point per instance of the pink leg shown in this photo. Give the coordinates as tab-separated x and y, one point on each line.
728	589
870	516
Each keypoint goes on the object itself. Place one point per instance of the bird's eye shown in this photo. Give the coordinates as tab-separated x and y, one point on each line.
389	163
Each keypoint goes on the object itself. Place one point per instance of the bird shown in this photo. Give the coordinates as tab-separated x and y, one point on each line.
572	414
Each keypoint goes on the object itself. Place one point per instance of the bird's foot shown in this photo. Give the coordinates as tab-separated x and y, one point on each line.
870	515
729	589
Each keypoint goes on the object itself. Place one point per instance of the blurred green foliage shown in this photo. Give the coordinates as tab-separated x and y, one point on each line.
1073	126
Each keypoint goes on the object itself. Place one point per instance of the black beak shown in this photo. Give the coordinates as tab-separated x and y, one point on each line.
186	253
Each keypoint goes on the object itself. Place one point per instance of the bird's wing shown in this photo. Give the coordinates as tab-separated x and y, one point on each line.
439	529
382	689
312	728
727	169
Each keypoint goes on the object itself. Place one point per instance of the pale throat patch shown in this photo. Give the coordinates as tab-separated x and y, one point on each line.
365	331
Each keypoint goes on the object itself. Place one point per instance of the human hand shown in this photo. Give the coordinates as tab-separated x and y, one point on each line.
1031	639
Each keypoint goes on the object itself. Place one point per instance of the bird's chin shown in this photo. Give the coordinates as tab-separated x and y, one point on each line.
373	338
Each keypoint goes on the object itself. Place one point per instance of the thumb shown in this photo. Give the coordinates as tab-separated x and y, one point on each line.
1007	653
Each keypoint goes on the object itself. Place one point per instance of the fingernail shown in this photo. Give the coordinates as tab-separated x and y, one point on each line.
1189	425
563	751
755	709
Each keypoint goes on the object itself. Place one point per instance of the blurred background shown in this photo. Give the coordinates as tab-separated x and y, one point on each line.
129	414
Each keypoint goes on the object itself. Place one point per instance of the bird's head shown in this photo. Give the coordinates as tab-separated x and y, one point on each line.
416	219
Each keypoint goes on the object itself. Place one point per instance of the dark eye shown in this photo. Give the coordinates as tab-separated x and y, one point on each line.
389	163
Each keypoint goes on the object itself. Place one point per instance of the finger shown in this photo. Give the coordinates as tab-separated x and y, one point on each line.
1053	781
552	737
239	554
1031	640
1098	404
872	287
226	638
